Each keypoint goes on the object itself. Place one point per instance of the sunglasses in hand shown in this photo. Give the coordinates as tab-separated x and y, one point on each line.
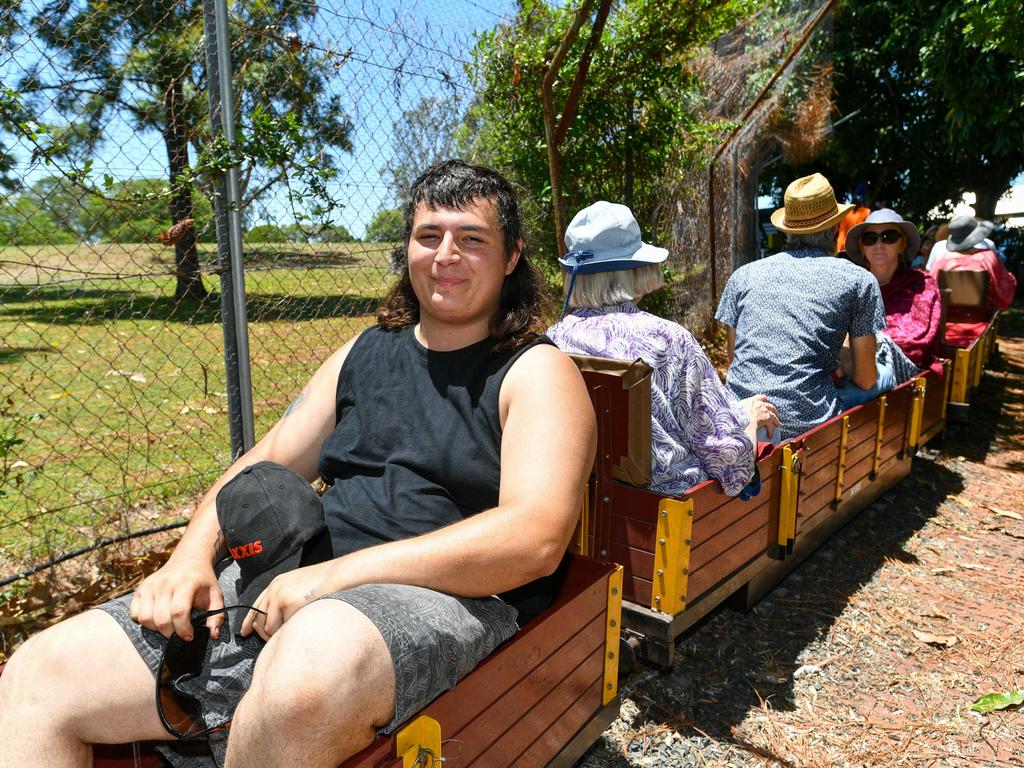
181	712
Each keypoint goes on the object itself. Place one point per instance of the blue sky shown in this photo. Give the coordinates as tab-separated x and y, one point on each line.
401	51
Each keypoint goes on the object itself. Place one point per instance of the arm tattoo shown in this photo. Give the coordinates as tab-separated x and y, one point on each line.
221	546
296	404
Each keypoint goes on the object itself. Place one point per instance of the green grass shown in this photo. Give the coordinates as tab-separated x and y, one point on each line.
118	390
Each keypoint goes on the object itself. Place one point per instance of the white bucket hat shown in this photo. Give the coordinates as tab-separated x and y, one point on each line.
604	237
609	232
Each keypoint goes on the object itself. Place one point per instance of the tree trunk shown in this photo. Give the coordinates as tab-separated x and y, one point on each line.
186	260
988	195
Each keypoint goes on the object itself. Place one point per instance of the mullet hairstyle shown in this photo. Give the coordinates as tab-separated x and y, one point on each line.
454	184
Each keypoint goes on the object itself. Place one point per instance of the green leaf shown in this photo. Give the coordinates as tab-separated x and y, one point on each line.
993	701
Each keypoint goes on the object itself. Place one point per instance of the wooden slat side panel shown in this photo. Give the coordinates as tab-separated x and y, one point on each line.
560	730
566	673
630	532
745	518
638	568
756	543
819	469
933	400
582	601
637	589
504	668
711	527
637	503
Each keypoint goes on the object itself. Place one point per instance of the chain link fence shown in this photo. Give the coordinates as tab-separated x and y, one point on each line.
113	393
115	296
771	79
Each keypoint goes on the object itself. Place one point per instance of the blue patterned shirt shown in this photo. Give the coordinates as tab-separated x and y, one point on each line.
791	312
697	428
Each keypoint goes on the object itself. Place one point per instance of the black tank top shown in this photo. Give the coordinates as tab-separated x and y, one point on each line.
417	443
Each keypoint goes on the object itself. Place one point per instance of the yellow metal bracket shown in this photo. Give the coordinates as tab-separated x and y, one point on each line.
611	643
672	555
843	441
877	461
418	745
961	376
789	491
947	367
917	412
579	539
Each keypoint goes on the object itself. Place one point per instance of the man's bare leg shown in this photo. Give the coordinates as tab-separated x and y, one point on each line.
75	684
321	686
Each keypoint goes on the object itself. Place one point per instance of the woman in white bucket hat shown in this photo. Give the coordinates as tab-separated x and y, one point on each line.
698	430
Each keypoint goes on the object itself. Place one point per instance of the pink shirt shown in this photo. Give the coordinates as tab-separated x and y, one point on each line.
913	310
1002	285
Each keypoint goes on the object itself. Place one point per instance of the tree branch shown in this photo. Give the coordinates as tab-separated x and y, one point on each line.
576	91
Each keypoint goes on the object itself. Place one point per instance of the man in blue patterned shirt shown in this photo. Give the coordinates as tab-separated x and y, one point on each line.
788	315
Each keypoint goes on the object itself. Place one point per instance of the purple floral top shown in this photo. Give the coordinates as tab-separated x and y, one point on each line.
697	427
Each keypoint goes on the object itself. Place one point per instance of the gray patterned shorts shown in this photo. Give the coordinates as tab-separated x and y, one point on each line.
435	639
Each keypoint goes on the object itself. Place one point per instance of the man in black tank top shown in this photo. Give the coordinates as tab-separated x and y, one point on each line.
457	441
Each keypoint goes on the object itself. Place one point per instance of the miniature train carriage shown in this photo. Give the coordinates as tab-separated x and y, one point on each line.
541	699
684	556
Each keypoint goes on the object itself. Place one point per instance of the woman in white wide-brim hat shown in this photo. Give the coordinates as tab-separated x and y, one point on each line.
698	430
885	243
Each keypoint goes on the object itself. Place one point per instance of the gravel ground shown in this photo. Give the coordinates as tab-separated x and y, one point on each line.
871	652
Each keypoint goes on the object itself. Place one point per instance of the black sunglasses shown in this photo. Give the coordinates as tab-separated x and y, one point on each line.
888	237
181	713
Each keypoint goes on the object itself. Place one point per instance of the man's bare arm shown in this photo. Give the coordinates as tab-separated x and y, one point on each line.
730	342
163	602
547	452
864	371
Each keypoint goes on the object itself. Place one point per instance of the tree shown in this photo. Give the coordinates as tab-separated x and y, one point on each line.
146	62
387	226
637	120
424	135
267	233
24	222
941	100
335	233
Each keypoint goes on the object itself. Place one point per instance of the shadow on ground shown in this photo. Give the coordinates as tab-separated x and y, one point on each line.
732	663
59	305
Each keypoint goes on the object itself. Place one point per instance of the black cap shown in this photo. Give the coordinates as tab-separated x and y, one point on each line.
273	522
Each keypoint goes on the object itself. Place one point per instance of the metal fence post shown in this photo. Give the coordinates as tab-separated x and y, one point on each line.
229	233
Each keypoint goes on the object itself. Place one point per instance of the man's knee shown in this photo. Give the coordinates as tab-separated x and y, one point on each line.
325	659
42	662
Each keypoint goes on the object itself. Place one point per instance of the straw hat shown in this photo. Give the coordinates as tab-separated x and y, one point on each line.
810	206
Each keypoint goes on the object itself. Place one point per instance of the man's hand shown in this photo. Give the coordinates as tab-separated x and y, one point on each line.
844	366
164	601
289	592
